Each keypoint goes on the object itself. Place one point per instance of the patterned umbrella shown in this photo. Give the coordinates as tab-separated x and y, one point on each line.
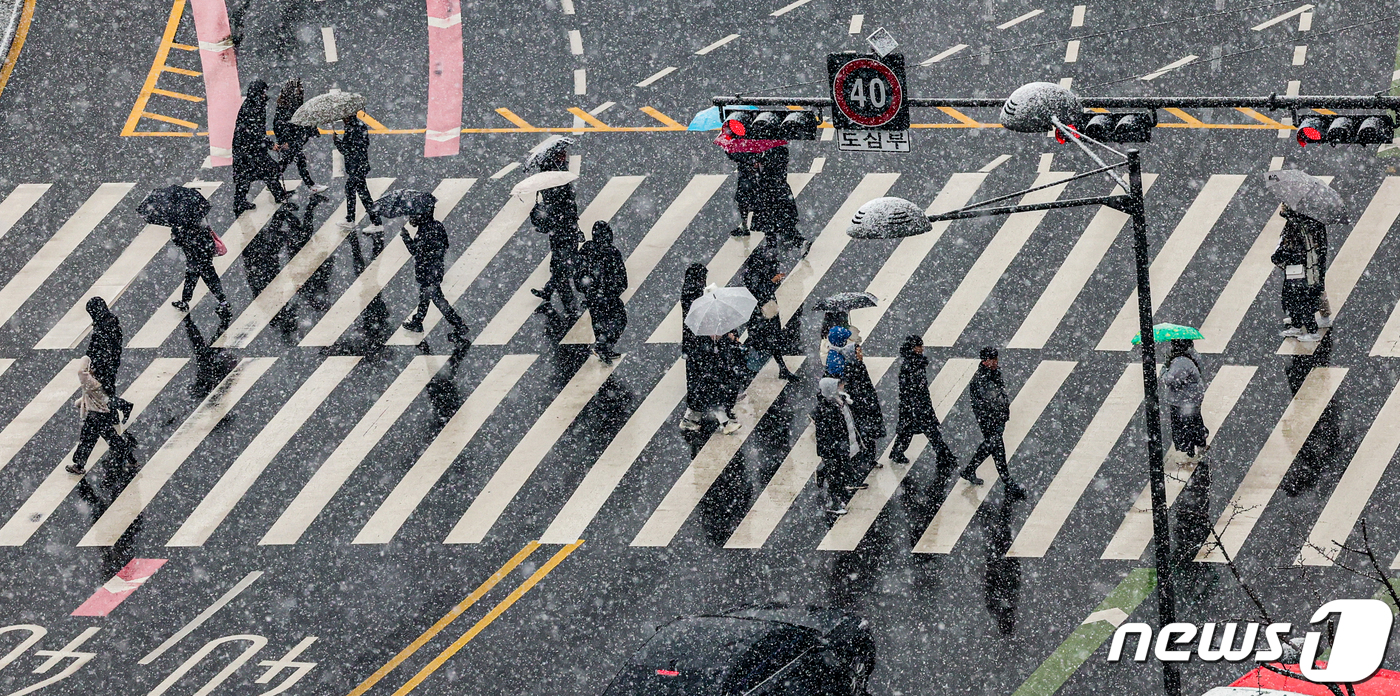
326	108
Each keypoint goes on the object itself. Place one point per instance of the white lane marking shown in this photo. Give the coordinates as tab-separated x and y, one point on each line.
1048	516
944	54
1065	82
658	240
216	505
818	164
657	76
710	462
1354	490
1174	256
1047	161
963	500
518	309
1252	496
289	280
857	23
6	364
1135	532
1073	274
59	247
893	276
522	461
788	8
20	200
581	81
1077	19
198	621
1072	52
447	446
1349	265
1305	21
379	273
75	324
623	451
1302	9
575	42
1169	67
505	170
865	506
1395	76
1285	133
601	108
38	411
1000	159
242	231
788	481
1300	55
575	165
161	467
828	245
445	22
717	44
1029	15
567	5
337	468
982	278
57	486
1276	163
328	40
828	134
1294	87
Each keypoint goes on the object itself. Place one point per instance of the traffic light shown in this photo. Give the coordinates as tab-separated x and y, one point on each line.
773	125
1131	127
1347	129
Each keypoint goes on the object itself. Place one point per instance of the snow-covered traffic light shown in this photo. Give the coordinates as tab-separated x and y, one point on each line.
759	124
1132	127
1347	129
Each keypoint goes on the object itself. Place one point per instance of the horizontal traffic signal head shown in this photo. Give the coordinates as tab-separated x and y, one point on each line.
778	124
1347	129
1130	127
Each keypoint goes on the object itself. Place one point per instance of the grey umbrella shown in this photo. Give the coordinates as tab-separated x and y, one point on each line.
846	301
405	202
326	108
546	152
1306	195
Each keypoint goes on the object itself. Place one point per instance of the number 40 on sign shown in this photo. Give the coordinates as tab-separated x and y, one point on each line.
873	141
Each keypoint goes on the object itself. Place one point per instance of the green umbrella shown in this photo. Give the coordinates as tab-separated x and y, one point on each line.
1168	332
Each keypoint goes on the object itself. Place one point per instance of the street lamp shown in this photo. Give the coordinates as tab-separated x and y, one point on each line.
1037	108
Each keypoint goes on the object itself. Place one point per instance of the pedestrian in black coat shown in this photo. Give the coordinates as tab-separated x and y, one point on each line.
838	442
354	147
715	366
1302	286
251	161
865	403
746	195
602	277
916	414
556	214
291	138
196	241
429	249
761	277
776	212
1314	240
104	351
992	407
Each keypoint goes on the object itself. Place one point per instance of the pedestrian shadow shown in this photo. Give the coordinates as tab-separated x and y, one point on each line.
1001	587
212	364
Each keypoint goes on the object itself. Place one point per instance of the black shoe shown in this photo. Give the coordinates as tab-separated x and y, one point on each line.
540	294
242	207
1014	490
224	311
971	477
788	375
290	204
125	408
181	305
738	232
604	356
413	326
899	458
858	487
75	469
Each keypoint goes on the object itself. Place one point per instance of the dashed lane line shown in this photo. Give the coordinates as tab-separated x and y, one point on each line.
659	74
788	8
1011	23
706	50
1302	9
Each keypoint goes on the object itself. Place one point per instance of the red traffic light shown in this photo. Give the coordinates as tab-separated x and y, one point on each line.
1060	135
1310	130
736	127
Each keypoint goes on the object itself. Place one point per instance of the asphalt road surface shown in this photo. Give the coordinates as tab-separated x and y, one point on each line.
323	502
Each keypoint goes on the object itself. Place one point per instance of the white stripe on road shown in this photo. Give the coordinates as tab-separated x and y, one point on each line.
857	23
1080	468
38	411
522	461
894	275
575	42
1305	21
1072	52
714	456
622	452
1247	505
716	44
659	74
328	41
336	470
567	6
517	310
865	506
237	236
198	621
1174	256
446	447
1022	18
789	480
788	8
1348	267
1073	274
505	170
964	499
979	281
56	487
289	280
580	81
20	200
1283	17
75	324
656	243
158	470
1077	19
828	245
367	286
1134	533
254	459
47	260
944	54
1169	67
1300	55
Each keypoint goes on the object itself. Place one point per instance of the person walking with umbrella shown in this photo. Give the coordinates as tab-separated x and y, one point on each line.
776	212
762	278
291	138
602	279
354	147
714	362
196	241
556	214
746	182
1308	206
1184	393
1301	288
251	161
1313	236
916	414
429	249
865	404
838	442
692	287
992	407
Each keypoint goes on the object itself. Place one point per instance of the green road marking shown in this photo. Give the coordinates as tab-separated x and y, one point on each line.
1065	661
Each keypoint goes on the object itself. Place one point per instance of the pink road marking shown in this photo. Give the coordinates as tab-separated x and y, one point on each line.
126	581
222	95
444	134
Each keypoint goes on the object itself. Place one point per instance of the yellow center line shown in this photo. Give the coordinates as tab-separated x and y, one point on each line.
451	616
486	620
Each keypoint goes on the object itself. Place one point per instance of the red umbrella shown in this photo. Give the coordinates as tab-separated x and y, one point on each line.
731	144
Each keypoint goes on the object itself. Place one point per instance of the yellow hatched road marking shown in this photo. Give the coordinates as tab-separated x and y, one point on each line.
184	47
520	122
177	95
170	119
167	41
588	118
670	123
182	71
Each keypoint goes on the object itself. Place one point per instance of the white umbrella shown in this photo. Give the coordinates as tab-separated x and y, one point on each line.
1306	195
720	310
535	183
545	151
327	108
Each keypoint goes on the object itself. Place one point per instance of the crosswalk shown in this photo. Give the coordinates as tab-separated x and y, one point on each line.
1098	434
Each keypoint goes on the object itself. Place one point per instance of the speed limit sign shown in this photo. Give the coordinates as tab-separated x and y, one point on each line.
868	91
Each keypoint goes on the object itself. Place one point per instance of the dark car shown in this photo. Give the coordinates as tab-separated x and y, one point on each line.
769	650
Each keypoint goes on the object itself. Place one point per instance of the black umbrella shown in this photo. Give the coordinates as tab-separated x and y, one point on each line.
174	205
846	301
405	202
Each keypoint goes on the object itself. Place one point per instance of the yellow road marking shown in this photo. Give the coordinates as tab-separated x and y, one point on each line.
21	31
184	47
486	620
588	118
1262	118
374	126
451	616
520	122
1185	117
961	117
670	123
177	95
182	71
166	41
169	119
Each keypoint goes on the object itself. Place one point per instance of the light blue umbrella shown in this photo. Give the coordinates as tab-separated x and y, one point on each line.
709	119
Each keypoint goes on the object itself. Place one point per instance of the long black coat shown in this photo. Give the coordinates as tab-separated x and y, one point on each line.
746	184
354	147
833	440
916	412
105	351
865	402
250	156
990	403
601	264
429	249
197	244
765	334
712	370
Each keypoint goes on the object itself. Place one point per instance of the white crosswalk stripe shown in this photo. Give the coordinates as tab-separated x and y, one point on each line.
37	412
18	202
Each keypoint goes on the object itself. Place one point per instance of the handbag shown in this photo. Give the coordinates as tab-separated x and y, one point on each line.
219	248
